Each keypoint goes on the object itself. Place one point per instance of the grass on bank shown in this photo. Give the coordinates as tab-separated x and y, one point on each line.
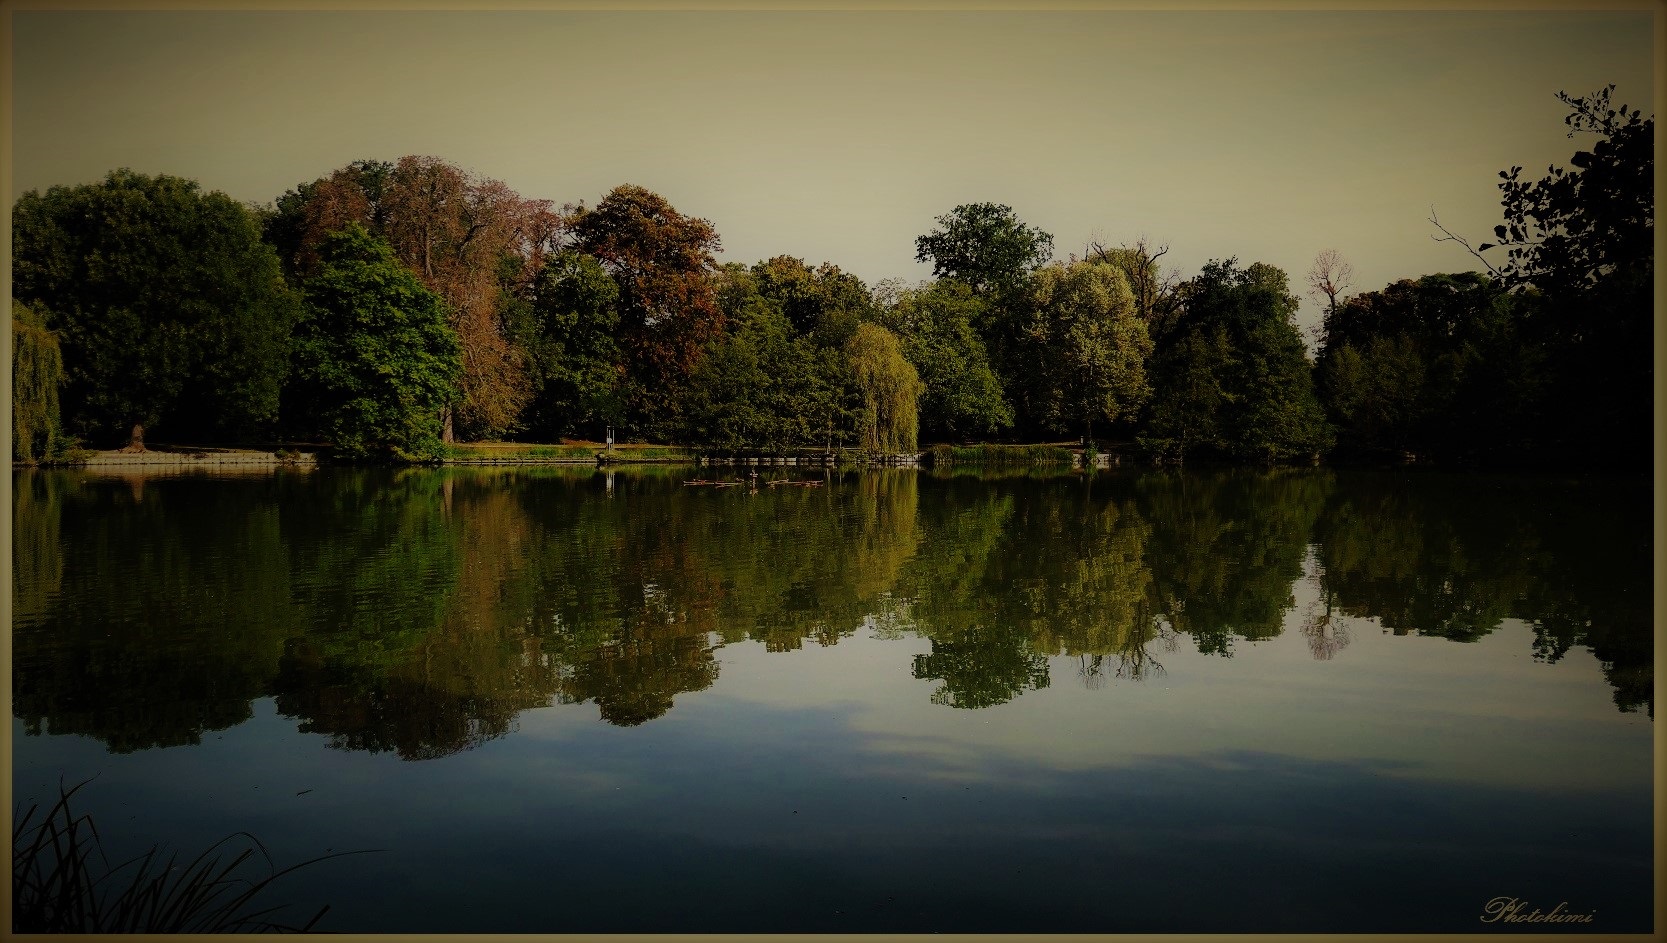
62	882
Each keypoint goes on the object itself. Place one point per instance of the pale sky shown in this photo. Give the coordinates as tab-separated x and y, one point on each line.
839	136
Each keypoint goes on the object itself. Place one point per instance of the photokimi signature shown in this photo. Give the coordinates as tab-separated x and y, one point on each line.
1515	910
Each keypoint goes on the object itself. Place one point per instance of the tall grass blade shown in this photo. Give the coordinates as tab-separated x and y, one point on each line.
56	890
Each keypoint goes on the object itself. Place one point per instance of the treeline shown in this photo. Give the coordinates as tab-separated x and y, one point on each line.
1551	350
391	308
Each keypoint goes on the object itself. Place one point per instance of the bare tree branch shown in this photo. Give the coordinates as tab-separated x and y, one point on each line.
1449	237
1331	276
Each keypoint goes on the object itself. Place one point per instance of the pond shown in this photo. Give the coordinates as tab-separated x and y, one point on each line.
565	700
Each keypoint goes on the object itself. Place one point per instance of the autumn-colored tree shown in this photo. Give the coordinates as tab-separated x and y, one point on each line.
471	240
664	265
454	230
304	216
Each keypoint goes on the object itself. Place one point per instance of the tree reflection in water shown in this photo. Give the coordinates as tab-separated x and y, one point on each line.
420	611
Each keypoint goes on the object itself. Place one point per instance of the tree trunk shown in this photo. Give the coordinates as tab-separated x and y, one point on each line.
446	434
136	439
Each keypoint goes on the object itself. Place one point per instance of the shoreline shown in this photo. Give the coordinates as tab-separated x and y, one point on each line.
181	457
174	458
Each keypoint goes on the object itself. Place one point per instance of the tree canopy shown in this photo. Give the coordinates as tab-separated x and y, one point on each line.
1573	229
376	358
1232	374
984	245
170	310
470	239
569	332
37	375
1089	347
890	389
663	263
961	396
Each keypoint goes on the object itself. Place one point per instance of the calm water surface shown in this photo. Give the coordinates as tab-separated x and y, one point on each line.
566	701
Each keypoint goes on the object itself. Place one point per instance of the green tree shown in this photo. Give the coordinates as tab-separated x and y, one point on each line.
1581	257
763	384
961	396
1375	393
989	249
170	310
1433	366
37	375
1232	374
1191	397
1152	287
570	333
984	245
1088	347
890	391
377	361
823	303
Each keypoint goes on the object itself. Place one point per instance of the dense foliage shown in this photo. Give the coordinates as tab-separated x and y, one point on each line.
1550	358
568	327
471	240
1231	375
1433	366
171	312
890	390
984	245
663	263
376	361
1088	346
169	309
963	396
37	374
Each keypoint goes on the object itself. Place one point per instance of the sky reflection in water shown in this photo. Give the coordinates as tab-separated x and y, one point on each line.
1146	702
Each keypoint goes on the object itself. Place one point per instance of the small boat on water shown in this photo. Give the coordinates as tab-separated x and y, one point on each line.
713	484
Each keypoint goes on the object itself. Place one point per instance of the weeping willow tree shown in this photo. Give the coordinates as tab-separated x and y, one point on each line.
890	389
37	372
